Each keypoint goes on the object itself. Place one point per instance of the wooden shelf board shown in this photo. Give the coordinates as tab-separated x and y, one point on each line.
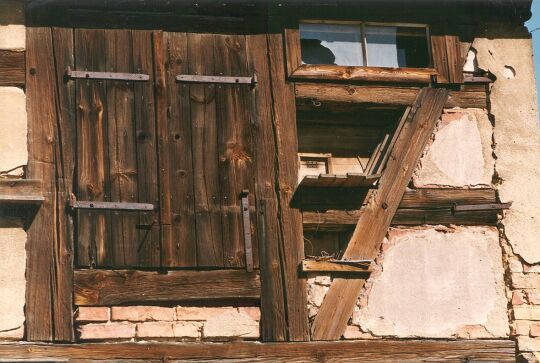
349	180
336	266
21	199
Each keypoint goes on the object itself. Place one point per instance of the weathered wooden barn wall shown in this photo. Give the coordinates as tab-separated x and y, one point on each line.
438	274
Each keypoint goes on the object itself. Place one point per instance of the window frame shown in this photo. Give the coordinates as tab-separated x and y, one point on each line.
297	70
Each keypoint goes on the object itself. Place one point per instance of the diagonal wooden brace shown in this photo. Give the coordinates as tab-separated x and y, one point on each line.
338	305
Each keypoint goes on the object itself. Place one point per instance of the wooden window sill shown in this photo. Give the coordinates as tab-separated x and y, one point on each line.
368	74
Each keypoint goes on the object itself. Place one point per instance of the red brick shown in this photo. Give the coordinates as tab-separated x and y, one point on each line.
254	313
200	314
517	298
155	330
92	313
187	329
520	327
525	281
142	313
535	329
107	331
533	296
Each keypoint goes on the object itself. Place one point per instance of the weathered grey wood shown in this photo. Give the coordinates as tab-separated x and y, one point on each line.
339	352
107	76
114	287
373	224
329	180
481	207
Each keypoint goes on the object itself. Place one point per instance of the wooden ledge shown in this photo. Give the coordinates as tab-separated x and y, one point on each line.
349	180
21	192
367	74
337	351
336	266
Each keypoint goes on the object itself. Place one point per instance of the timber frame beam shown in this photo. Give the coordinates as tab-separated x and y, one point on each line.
374	222
344	351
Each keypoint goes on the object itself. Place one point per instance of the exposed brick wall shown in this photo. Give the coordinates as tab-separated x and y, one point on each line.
180	323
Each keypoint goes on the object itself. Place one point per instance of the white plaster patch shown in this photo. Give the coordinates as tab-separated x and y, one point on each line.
12	276
460	154
12	37
517	138
438	284
471	64
13	123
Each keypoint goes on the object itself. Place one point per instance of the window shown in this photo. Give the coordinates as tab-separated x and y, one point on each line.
365	44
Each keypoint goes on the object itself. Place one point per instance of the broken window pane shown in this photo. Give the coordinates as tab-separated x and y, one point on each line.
337	44
397	46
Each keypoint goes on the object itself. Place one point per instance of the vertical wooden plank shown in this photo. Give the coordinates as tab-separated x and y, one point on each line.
273	309
175	152
205	152
41	122
235	143
92	150
293	54
453	55
373	224
123	171
65	133
148	232
440	59
292	245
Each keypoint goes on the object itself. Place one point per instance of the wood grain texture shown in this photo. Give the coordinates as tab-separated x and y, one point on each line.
339	352
292	50
114	287
373	224
65	132
12	68
175	151
418	206
335	266
205	133
291	246
344	95
273	307
366	74
92	151
235	144
42	117
21	187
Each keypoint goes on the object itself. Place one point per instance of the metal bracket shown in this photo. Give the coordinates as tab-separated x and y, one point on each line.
244	196
480	207
107	76
118	206
193	78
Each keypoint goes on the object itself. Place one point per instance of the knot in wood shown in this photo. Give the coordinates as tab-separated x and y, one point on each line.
384	205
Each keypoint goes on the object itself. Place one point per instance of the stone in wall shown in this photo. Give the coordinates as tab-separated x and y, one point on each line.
460	155
438	283
13	138
517	137
12	279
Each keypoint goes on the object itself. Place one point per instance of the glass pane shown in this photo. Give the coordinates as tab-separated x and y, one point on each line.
331	44
397	46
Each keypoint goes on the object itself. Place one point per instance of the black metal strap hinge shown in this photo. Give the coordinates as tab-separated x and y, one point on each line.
244	196
107	76
193	78
117	206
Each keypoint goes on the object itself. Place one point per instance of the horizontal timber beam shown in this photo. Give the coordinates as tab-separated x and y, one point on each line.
113	287
340	95
21	191
418	206
338	352
12	68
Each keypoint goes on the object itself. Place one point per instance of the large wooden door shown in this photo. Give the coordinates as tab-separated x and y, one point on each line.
186	148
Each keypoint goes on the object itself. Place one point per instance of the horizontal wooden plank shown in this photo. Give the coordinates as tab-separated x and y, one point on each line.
113	287
349	180
193	78
368	74
481	207
12	68
337	352
107	76
21	191
340	95
418	206
336	266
